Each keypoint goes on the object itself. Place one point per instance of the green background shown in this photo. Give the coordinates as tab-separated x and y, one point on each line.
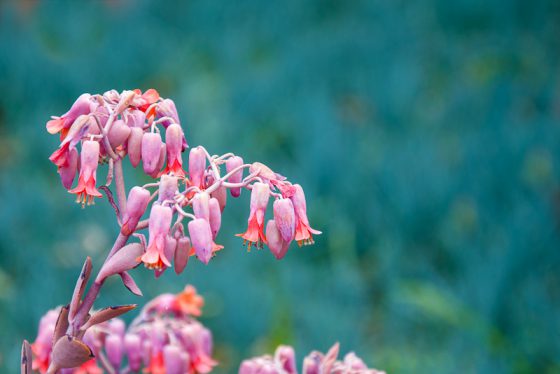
425	133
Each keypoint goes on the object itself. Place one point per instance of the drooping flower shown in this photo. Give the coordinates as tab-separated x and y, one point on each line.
159	224
277	245
86	190
255	231
173	141
83	105
303	229
232	163
197	165
151	152
285	218
138	199
201	239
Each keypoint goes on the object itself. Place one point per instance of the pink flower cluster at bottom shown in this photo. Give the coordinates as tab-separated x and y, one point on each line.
284	362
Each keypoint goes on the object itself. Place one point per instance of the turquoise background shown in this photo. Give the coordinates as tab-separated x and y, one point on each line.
425	133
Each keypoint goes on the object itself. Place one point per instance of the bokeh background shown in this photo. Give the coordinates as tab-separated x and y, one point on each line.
426	135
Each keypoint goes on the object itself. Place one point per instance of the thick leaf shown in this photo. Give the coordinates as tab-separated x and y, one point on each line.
125	259
79	289
69	352
129	283
61	324
26	358
106	314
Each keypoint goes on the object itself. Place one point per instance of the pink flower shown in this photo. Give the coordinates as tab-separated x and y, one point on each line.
277	245
83	105
285	218
237	177
173	141
151	152
303	230
197	165
201	238
259	200
138	199
86	191
159	224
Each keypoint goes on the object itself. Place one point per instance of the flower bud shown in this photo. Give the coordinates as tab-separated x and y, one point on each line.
135	118
119	133
182	254
151	149
285	218
146	352
68	171
215	216
133	347
166	108
197	165
134	145
201	237
277	246
237	177
221	195
168	187
170	247
114	349
161	161
173	360
138	199
286	356
200	205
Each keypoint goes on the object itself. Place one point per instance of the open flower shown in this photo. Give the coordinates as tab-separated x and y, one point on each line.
255	231
173	141
303	230
86	191
159	223
83	105
188	302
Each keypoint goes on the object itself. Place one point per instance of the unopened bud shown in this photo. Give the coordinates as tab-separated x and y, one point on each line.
119	133
114	349
237	177
285	218
138	199
151	149
215	216
197	165
201	238
134	145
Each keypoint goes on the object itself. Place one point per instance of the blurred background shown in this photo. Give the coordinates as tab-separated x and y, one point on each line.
425	133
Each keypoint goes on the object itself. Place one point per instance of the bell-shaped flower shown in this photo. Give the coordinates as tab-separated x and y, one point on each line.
285	218
173	141
133	347
197	165
215	216
138	199
255	231
166	108
68	171
158	227
134	145
303	229
200	205
86	190
168	187
79	128
143	101
83	105
277	245
232	163
201	239
118	134
115	349
151	149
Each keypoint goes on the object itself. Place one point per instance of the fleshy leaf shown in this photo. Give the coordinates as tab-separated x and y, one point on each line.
79	289
26	358
106	314
125	259
69	352
129	283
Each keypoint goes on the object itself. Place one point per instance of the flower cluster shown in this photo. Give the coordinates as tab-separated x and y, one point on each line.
164	338
284	362
183	204
107	128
